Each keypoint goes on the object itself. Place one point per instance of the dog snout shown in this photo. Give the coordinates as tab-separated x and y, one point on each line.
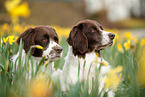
111	36
58	49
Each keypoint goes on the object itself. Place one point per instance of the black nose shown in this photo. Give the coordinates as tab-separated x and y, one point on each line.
111	35
58	49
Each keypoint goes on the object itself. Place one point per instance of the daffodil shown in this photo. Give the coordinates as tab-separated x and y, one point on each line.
113	78
6	27
5	40
128	35
37	46
127	45
39	87
120	49
62	32
17	28
104	63
15	9
9	39
142	42
135	39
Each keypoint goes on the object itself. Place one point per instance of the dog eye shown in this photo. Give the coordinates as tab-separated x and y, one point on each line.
44	39
94	29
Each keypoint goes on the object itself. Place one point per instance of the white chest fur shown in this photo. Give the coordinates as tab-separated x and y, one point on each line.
30	67
71	72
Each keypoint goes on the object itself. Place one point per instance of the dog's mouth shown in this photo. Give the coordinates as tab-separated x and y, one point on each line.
102	47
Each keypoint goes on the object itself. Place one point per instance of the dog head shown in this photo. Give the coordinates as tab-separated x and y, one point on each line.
88	35
44	36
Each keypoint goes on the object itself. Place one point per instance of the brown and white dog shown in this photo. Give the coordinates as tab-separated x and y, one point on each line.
44	36
85	40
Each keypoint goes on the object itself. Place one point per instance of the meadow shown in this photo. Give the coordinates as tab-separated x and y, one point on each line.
126	56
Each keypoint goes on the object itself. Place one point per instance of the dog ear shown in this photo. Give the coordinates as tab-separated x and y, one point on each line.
78	39
28	39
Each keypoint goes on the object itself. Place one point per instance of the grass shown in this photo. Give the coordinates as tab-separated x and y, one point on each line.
14	83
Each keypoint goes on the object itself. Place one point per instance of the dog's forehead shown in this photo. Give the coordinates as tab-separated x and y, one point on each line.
43	30
90	23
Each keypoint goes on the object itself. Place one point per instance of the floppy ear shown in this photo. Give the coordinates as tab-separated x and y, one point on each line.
77	39
28	39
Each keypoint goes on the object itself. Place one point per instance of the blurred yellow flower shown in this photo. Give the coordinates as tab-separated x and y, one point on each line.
128	35
6	27
135	39
15	9
116	37
104	63
17	28
142	42
112	79
127	44
10	39
120	49
39	87
62	32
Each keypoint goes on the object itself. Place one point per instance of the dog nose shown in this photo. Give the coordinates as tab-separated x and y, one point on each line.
58	49
111	35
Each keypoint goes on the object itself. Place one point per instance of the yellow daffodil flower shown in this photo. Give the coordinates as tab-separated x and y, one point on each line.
142	42
104	63
128	35
127	45
6	27
112	79
15	9
10	39
37	46
135	39
120	49
62	32
17	28
5	40
39	87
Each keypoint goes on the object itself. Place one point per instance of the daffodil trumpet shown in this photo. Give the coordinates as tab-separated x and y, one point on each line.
37	46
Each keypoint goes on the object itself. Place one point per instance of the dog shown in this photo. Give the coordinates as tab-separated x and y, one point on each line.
44	36
86	39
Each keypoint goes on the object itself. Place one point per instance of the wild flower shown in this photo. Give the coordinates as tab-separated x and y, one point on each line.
120	48
142	42
39	87
9	39
127	44
128	35
62	32
17	28
6	27
15	9
135	39
37	46
113	78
